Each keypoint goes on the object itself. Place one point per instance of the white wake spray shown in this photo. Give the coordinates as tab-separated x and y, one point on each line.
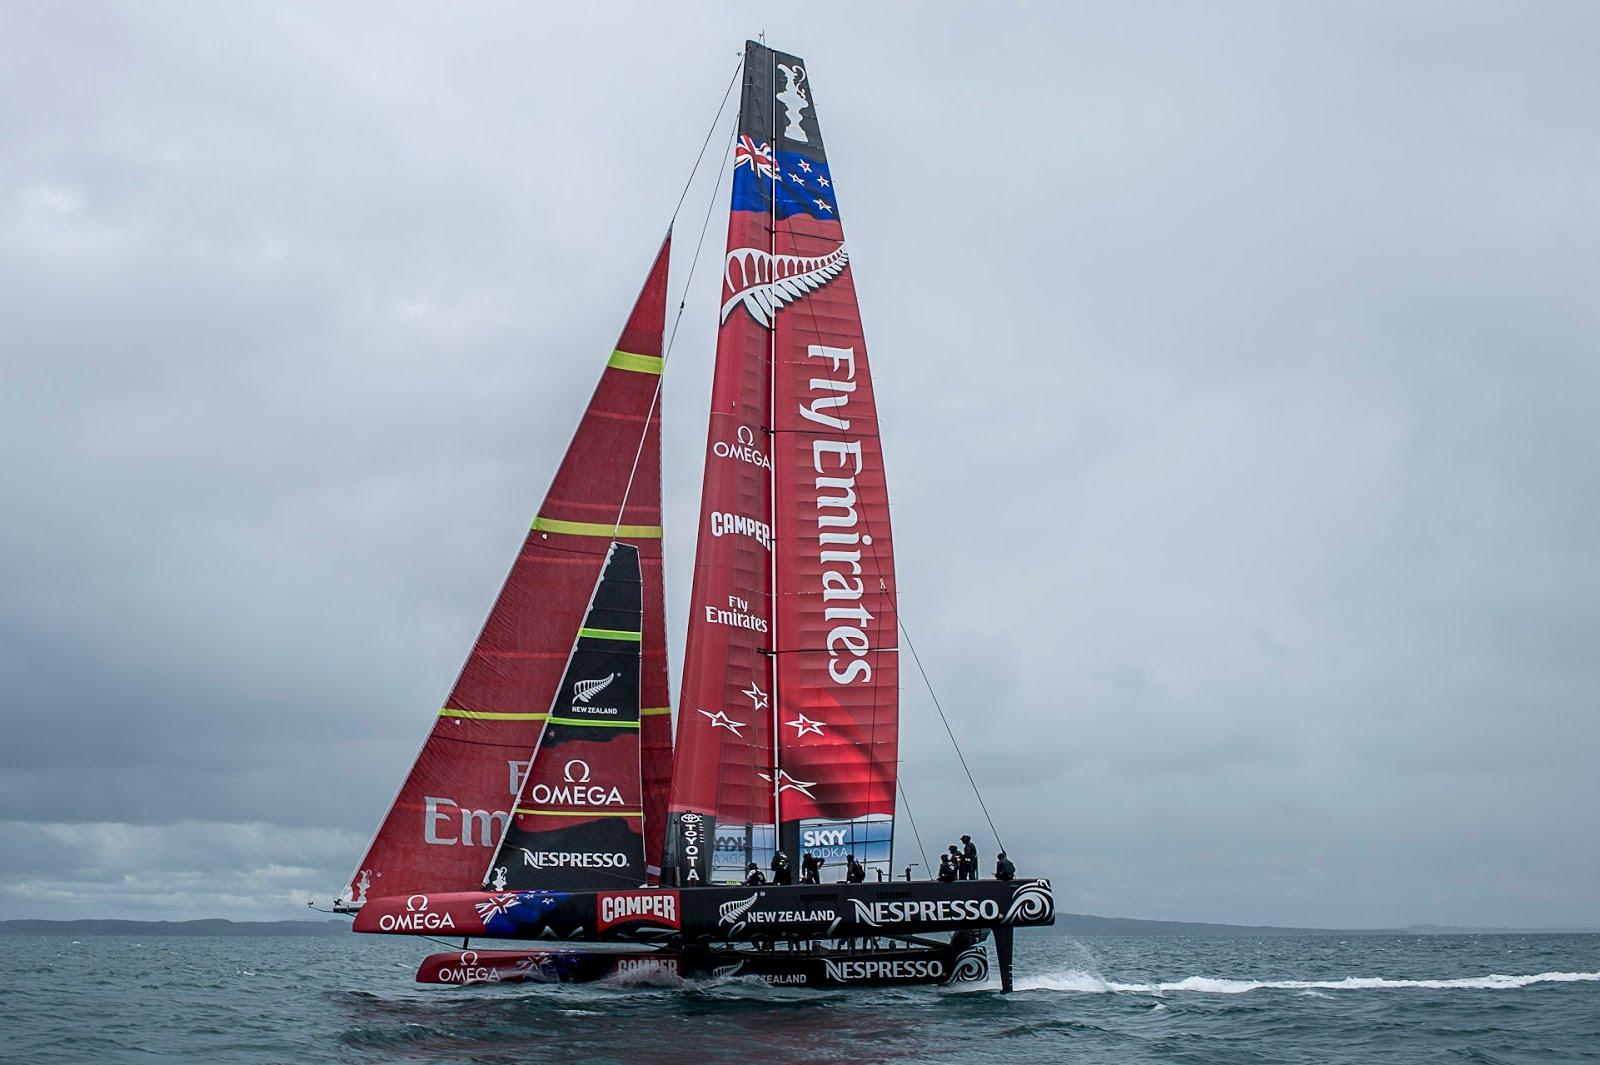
1079	980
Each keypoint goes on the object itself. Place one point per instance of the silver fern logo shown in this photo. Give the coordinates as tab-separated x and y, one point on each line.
585	690
1031	902
763	283
732	913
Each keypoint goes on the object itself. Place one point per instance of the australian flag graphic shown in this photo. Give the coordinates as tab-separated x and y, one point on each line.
802	183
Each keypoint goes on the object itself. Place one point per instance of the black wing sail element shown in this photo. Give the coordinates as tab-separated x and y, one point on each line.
579	817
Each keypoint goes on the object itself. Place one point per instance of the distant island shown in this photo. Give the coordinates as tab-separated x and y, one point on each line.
1072	924
211	926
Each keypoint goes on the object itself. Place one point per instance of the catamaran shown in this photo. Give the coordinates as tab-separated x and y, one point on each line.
551	800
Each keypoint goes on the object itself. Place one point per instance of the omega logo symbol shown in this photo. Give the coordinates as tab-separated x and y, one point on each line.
469	957
416	903
568	774
745	450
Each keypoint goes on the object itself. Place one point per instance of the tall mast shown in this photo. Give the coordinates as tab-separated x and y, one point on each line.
772	495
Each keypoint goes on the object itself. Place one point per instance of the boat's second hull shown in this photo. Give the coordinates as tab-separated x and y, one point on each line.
900	966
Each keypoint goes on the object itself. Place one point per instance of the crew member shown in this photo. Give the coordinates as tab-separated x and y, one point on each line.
810	869
752	876
969	858
854	871
947	869
1003	869
782	871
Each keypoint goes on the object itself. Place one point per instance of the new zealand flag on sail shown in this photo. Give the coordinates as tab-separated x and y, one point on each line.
802	182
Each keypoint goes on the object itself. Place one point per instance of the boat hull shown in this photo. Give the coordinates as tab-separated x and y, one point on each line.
962	961
718	914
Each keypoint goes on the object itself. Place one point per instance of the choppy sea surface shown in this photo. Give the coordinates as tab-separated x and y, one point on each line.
1324	999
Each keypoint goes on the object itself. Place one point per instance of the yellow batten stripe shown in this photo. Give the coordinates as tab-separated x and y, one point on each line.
651	711
595	528
627	360
554	720
581	813
490	715
609	634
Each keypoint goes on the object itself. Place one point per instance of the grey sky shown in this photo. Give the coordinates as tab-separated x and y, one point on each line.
1237	365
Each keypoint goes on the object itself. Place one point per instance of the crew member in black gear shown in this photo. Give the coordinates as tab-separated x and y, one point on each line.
969	859
752	876
810	868
782	871
947	869
854	871
1003	869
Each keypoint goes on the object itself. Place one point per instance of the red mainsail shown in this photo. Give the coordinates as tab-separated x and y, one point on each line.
450	813
789	715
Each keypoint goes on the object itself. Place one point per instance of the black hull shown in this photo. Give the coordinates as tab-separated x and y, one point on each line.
962	961
717	915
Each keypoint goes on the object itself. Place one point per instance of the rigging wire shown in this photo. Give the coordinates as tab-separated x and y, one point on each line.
706	143
683	296
700	245
946	721
905	803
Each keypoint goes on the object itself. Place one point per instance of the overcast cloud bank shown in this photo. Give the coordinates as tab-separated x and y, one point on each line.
1237	369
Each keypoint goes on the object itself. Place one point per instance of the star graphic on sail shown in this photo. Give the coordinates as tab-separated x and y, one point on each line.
720	719
758	698
764	179
803	725
788	783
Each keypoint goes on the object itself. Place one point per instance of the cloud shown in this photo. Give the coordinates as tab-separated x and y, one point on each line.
1235	372
243	870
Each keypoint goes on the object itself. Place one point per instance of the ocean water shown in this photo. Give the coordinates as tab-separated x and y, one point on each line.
1489	998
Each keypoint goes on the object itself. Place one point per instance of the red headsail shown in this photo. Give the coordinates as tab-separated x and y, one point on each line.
447	819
